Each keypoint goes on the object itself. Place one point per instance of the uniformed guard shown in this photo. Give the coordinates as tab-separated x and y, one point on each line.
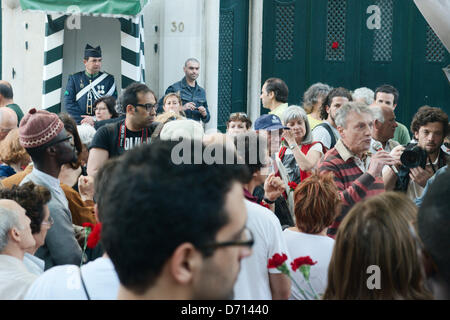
84	87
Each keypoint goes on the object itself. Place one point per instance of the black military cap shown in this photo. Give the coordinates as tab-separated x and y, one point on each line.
92	52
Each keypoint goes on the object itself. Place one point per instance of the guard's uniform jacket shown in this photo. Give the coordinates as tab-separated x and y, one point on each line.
82	91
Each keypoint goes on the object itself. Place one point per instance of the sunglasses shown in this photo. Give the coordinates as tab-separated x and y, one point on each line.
147	106
68	138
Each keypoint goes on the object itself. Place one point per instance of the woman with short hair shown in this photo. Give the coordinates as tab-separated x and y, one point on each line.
298	153
317	204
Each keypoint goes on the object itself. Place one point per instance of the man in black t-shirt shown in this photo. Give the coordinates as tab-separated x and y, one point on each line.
111	140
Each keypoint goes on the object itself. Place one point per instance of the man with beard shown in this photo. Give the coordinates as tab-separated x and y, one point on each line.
43	136
192	95
430	126
180	247
113	139
326	132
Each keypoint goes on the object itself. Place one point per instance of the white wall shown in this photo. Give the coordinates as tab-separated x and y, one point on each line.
179	44
28	64
96	31
152	31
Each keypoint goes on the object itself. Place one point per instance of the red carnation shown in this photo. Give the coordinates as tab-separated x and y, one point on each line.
88	225
297	263
265	205
277	260
292	185
335	45
94	236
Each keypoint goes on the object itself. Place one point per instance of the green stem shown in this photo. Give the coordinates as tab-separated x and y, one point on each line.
298	287
84	246
312	290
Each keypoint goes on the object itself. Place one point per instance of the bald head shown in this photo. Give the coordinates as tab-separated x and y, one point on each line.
8	121
384	123
6	93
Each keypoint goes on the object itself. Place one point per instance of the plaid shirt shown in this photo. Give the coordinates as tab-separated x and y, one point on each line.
354	185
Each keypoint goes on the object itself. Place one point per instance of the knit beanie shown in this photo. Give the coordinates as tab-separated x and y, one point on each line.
39	127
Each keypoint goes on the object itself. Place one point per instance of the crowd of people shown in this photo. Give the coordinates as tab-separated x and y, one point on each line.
129	198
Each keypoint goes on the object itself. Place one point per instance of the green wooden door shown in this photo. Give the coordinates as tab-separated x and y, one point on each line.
233	47
336	42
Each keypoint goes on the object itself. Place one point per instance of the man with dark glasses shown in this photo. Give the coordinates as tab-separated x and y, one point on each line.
43	136
138	102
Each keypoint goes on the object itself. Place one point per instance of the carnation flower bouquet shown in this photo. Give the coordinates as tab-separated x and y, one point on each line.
303	264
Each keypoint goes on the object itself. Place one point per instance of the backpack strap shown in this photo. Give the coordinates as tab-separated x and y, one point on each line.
328	128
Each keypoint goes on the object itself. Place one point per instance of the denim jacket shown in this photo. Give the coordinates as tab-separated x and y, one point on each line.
188	94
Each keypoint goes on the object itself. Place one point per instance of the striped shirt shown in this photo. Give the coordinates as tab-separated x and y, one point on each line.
354	184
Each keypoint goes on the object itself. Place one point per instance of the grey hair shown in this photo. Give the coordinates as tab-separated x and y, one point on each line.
191	60
297	113
347	108
364	93
377	113
86	133
313	93
8	219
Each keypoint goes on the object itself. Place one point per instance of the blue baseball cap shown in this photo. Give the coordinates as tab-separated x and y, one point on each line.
269	122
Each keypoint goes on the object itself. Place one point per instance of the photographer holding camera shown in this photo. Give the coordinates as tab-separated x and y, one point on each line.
418	162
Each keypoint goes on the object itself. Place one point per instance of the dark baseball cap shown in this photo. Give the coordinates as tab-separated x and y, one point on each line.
269	122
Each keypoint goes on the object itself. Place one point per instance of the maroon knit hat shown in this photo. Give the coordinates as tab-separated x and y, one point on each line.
39	127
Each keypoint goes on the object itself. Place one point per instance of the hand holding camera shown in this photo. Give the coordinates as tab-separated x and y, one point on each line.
378	161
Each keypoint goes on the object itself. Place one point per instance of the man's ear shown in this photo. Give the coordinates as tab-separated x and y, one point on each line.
130	109
341	131
416	135
376	123
14	234
395	105
327	109
184	263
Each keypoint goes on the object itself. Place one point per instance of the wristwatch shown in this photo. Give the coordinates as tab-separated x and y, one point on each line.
292	146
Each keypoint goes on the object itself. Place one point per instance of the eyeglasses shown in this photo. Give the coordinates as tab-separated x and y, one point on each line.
5	130
246	241
147	106
70	138
49	221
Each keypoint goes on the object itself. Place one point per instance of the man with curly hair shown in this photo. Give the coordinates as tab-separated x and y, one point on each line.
430	126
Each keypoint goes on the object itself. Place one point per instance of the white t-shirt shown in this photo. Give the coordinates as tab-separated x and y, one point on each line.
64	283
253	279
321	134
319	248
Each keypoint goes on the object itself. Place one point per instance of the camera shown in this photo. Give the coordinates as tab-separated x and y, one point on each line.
414	156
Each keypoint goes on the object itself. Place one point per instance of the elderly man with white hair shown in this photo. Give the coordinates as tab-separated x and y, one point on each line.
364	95
15	239
357	173
384	125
